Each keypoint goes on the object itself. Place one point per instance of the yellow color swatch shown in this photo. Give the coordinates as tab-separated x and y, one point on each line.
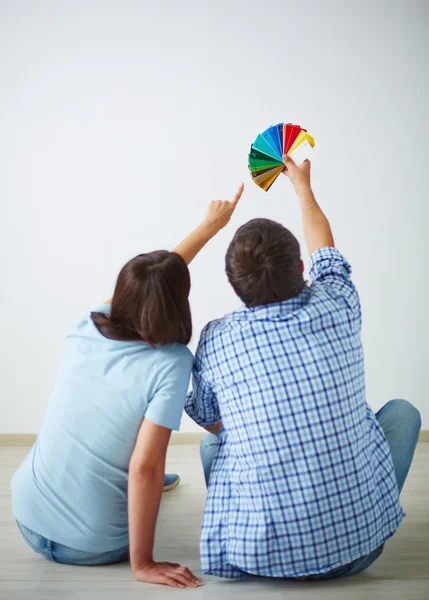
302	135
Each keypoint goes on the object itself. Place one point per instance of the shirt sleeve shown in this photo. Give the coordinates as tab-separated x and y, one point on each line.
201	403
329	268
83	323
103	308
165	408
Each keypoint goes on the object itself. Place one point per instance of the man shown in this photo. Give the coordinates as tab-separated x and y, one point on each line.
303	479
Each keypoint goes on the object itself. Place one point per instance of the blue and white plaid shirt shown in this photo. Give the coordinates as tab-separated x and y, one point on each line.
303	479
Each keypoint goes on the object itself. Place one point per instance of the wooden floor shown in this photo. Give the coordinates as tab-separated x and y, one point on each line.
401	572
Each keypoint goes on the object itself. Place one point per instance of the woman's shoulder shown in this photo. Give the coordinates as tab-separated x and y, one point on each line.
175	353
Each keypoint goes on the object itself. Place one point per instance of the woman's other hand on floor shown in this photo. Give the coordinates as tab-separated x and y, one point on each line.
167	573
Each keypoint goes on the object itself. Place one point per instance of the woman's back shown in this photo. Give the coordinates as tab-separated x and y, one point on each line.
72	486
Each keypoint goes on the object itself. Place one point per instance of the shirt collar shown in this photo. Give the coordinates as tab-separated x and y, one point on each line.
276	310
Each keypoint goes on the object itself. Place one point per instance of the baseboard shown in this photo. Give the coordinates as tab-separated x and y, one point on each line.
28	439
194	437
424	435
17	439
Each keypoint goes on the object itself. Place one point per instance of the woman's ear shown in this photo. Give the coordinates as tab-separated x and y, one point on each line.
302	266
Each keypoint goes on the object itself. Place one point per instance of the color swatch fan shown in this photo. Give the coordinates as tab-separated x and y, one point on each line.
265	156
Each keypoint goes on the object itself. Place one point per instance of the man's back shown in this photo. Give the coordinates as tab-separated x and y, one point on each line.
303	481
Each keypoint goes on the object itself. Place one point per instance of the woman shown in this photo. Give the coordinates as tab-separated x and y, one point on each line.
88	493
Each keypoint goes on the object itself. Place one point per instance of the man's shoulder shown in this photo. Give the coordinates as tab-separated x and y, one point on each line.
210	330
219	325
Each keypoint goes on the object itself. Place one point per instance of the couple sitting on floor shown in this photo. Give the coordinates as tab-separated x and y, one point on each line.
303	478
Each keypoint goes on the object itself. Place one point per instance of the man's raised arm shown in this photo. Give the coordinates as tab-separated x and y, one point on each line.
317	230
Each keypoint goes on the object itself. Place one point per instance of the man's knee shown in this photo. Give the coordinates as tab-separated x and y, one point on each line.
209	440
402	410
208	447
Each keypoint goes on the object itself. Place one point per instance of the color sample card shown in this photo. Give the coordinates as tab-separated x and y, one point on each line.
257	154
265	156
266	180
255	174
302	135
302	152
272	142
293	132
256	164
261	145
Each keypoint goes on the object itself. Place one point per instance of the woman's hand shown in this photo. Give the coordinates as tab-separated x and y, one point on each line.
167	573
220	212
218	215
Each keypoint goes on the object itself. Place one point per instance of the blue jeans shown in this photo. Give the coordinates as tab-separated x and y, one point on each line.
64	554
401	424
69	556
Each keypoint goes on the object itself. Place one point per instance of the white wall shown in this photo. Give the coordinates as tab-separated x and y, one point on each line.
119	121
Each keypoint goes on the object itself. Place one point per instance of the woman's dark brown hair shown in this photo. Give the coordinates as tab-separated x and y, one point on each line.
150	302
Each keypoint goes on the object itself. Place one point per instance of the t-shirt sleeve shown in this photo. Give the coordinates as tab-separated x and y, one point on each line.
165	408
103	308
87	320
329	268
201	403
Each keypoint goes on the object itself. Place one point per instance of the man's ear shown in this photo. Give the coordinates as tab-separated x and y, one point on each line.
302	266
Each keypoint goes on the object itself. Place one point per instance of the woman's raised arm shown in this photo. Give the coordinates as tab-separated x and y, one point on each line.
218	215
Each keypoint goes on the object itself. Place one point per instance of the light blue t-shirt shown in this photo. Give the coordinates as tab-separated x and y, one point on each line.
72	486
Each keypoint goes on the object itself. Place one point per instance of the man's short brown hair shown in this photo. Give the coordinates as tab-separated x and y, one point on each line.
263	263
